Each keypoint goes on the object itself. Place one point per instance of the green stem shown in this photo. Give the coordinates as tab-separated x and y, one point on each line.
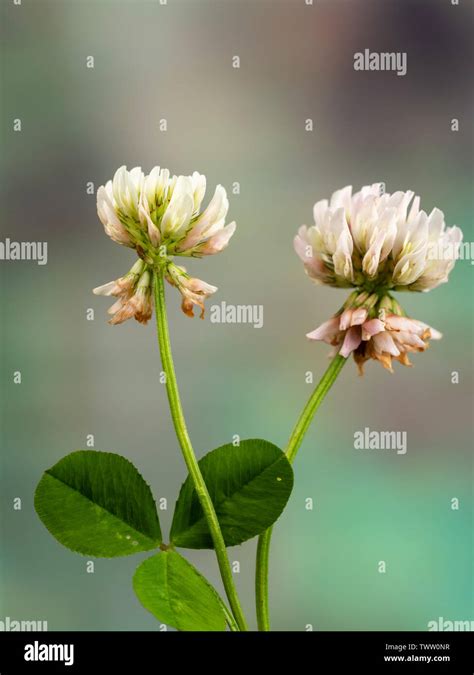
188	452
314	401
296	438
261	580
231	622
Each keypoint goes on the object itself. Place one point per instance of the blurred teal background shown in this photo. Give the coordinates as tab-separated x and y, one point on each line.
245	125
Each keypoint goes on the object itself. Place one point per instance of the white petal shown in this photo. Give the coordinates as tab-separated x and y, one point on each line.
105	208
436	224
151	182
371	260
342	198
180	209
153	231
199	189
342	257
210	220
105	289
319	211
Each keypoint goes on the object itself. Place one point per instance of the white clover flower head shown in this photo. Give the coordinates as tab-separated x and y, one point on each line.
160	217
374	327
378	242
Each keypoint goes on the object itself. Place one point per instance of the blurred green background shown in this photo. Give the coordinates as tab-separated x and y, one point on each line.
246	125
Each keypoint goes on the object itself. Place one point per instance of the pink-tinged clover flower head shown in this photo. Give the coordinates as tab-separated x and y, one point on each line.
160	216
377	243
369	327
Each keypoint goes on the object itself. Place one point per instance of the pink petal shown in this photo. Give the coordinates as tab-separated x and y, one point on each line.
326	332
359	315
434	334
405	338
395	322
301	246
351	341
345	320
384	343
219	240
371	328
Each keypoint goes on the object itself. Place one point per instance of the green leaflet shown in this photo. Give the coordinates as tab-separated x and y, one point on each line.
249	486
96	503
173	590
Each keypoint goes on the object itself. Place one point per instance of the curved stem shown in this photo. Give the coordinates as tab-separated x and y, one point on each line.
188	452
314	401
296	438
